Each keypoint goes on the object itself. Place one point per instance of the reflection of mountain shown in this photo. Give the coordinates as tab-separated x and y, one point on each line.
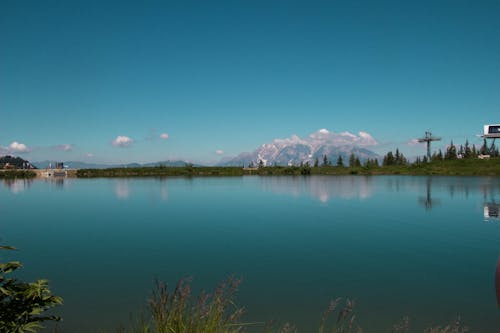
324	188
122	189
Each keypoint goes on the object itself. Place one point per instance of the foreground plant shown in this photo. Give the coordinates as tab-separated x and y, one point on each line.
176	311
22	304
345	318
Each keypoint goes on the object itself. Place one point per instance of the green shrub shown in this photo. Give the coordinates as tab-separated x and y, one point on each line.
22	304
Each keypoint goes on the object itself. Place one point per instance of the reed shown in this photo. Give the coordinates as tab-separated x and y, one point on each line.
178	311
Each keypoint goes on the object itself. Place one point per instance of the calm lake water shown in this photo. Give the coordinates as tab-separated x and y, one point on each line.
422	247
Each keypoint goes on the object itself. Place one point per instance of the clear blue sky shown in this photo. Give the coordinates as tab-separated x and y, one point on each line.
231	75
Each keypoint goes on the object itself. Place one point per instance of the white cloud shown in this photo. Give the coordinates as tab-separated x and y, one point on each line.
64	147
367	139
219	152
164	136
122	141
323	136
16	147
413	142
89	155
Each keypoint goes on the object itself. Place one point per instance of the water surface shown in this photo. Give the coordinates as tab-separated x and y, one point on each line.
421	247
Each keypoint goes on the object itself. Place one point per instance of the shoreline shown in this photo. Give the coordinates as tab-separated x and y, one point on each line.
437	168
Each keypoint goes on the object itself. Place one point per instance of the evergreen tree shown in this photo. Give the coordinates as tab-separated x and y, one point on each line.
399	158
461	152
484	148
440	155
352	160
261	164
467	150
340	162
325	160
357	162
474	151
451	152
388	159
316	162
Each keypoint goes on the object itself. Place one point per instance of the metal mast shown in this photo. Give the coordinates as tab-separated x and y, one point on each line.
427	139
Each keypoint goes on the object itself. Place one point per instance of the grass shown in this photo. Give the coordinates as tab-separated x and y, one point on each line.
178	311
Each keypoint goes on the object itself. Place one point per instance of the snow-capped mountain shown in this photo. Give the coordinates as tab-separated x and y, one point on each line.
296	150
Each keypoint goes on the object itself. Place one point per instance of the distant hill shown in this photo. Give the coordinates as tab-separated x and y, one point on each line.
84	165
17	162
296	150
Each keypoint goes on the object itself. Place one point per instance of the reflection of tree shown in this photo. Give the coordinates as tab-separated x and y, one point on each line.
17	185
427	201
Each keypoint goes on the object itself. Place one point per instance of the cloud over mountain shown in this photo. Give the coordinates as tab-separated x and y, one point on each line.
16	147
295	150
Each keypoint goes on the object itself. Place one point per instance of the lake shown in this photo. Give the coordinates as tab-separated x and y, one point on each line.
422	247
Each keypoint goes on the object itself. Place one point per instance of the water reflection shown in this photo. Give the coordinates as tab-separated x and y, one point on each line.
322	188
491	210
427	201
17	185
122	189
58	182
497	282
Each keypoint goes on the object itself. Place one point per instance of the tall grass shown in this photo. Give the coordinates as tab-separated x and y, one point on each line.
178	311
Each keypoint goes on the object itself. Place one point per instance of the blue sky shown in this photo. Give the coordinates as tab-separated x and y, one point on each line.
228	76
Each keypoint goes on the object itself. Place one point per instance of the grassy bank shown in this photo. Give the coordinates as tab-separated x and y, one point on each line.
465	167
13	174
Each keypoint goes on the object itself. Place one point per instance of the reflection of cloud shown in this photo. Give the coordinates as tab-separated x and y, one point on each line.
322	188
122	189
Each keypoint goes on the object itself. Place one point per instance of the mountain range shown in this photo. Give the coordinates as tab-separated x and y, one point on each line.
84	165
296	150
289	151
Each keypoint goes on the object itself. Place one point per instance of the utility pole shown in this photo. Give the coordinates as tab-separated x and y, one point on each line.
428	139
